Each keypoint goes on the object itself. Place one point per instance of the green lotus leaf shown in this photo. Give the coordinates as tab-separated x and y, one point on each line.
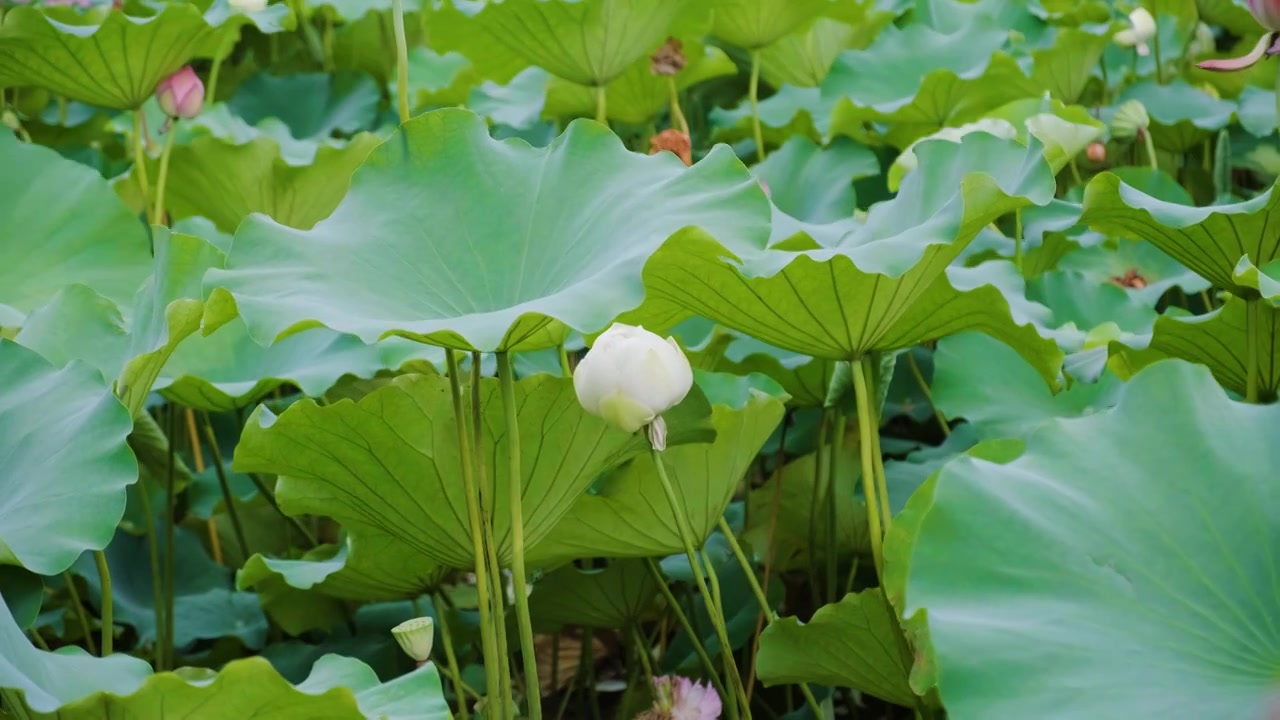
1210	240
803	58
630	516
1142	265
892	269
811	187
804	378
47	681
118	62
437	79
204	605
63	435
63	225
1232	15
1065	69
351	10
517	104
311	105
1219	340
226	181
1257	111
789	111
608	34
916	80
389	464
617	596
1182	116
451	29
753	24
366	45
23	593
338	687
637	95
226	369
853	643
534	261
132	348
995	390
365	568
1052	571
907	160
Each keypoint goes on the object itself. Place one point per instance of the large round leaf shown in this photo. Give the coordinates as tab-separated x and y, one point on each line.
117	60
389	463
62	225
66	463
752	24
1129	553
608	35
451	237
616	596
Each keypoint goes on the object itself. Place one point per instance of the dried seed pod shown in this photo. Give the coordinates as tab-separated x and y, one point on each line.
668	59
674	141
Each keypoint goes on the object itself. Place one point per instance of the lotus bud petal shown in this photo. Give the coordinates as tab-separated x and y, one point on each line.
631	376
1096	152
1266	12
1203	42
1267	46
1131	118
416	637
1142	30
181	94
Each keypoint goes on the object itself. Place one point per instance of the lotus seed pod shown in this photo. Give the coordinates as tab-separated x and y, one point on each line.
1131	119
415	637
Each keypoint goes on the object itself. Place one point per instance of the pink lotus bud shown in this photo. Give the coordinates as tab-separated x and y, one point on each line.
181	94
1266	12
1096	152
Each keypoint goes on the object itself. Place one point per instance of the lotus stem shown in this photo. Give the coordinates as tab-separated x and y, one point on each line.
1150	145
833	471
140	164
769	615
164	171
215	70
774	507
170	558
1251	349
877	456
815	500
488	505
1017	239
869	493
153	550
402	60
928	393
565	368
80	612
455	675
602	106
753	94
694	637
726	652
108	618
487	626
676	113
307	537
506	379
713	608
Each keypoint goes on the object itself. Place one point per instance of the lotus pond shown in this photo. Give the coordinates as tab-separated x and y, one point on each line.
665	359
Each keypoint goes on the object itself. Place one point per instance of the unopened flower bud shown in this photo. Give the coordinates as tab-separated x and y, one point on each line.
1130	120
1142	30
1096	152
415	637
630	377
181	94
1266	12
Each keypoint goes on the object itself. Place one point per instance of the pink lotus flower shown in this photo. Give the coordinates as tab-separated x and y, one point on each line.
679	698
1267	13
181	94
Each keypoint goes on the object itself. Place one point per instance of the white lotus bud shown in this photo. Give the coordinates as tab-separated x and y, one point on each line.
1142	30
249	6
416	637
630	377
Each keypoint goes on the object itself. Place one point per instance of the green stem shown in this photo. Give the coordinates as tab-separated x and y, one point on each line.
455	674
695	638
164	169
153	549
13	703
108	602
1155	50
726	651
62	110
140	164
833	468
227	498
589	651
642	650
402	60
815	501
515	488
488	505
1251	348
80	612
327	41
928	393
1075	171
38	639
211	89
564	361
487	626
676	113
170	553
1151	148
713	609
769	615
1017	239
865	428
877	457
753	93
602	107
1204	298
294	522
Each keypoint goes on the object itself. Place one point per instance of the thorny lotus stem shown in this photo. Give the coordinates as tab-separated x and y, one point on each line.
769	615
676	113
140	165
713	609
487	627
455	675
928	393
80	612
774	507
753	94
515	488
877	455
643	650
694	637
865	429
108	617
602	108
726	651
153	550
402	60
488	504
833	472
1251	349
164	169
